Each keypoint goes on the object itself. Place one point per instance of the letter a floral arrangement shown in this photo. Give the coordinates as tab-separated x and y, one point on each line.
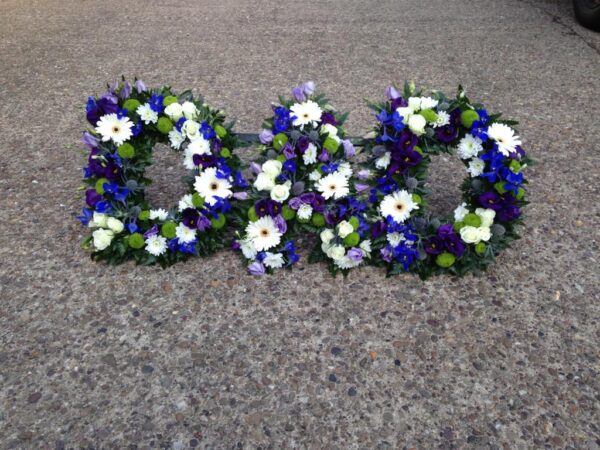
358	206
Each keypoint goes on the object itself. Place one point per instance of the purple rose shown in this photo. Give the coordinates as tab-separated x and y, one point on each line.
355	254
256	268
266	137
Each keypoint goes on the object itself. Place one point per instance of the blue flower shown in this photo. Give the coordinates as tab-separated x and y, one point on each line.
240	181
479	130
289	166
132	227
180	123
282	119
156	103
329	168
86	216
207	131
103	207
484	117
137	129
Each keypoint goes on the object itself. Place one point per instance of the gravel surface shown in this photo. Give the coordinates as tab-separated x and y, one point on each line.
202	355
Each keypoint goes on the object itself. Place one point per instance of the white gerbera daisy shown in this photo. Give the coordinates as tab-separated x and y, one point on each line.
333	185
306	113
505	138
176	138
263	233
443	119
160	214
185	202
147	114
115	128
184	234
156	245
469	146
274	260
476	166
209	186
398	206
198	146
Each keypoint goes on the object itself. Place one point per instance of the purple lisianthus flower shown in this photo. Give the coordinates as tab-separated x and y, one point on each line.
445	230
107	104
140	86
235	245
323	156
490	200
203	223
295	203
318	203
255	168
446	134
240	195
398	102
256	268
190	218
204	160
266	137
151	232
267	207
92	197
508	213
391	93
308	198
406	141
361	187
329	118
125	90
378	229
434	245
89	140
355	254
280	223
298	93
288	151
454	244
302	144
308	88
349	150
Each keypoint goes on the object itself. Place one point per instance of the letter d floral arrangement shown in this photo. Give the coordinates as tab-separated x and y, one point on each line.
306	183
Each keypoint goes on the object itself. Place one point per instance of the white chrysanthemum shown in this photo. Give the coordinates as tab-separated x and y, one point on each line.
398	205
273	260
315	175
344	228
365	246
147	114
264	182
99	220
346	263
417	124
486	215
102	238
156	245
505	138
383	161
335	252
306	113
191	129
310	155
263	233
189	110
184	234
115	128
272	167
174	111
176	138
428	103
468	147
329	129
460	212
345	169
160	214
333	185
209	186
327	236
198	146
115	225
395	239
185	202
280	192
476	166
304	211
443	119
248	249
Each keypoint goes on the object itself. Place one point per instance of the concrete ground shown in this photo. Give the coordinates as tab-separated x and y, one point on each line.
202	355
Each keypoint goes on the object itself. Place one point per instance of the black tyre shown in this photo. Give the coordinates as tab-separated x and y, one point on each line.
588	13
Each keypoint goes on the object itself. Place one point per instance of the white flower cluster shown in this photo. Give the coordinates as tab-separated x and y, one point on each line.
343	247
266	180
107	228
415	121
472	234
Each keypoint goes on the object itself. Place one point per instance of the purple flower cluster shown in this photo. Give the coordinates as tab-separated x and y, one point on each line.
444	240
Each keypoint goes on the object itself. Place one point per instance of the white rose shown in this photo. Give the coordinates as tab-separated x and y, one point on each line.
460	212
486	216
264	182
102	238
189	110
315	175
191	129
174	111
336	252
248	249
98	220
325	246
272	168
310	155
115	225
273	260
305	211
414	103
417	123
344	228
484	233
329	129
280	192
327	235
470	235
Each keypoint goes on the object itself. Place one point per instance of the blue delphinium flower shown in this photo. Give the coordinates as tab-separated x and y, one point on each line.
282	119
86	216
207	131
156	103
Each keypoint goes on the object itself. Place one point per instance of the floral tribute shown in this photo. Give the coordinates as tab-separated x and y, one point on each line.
303	184
126	123
411	128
